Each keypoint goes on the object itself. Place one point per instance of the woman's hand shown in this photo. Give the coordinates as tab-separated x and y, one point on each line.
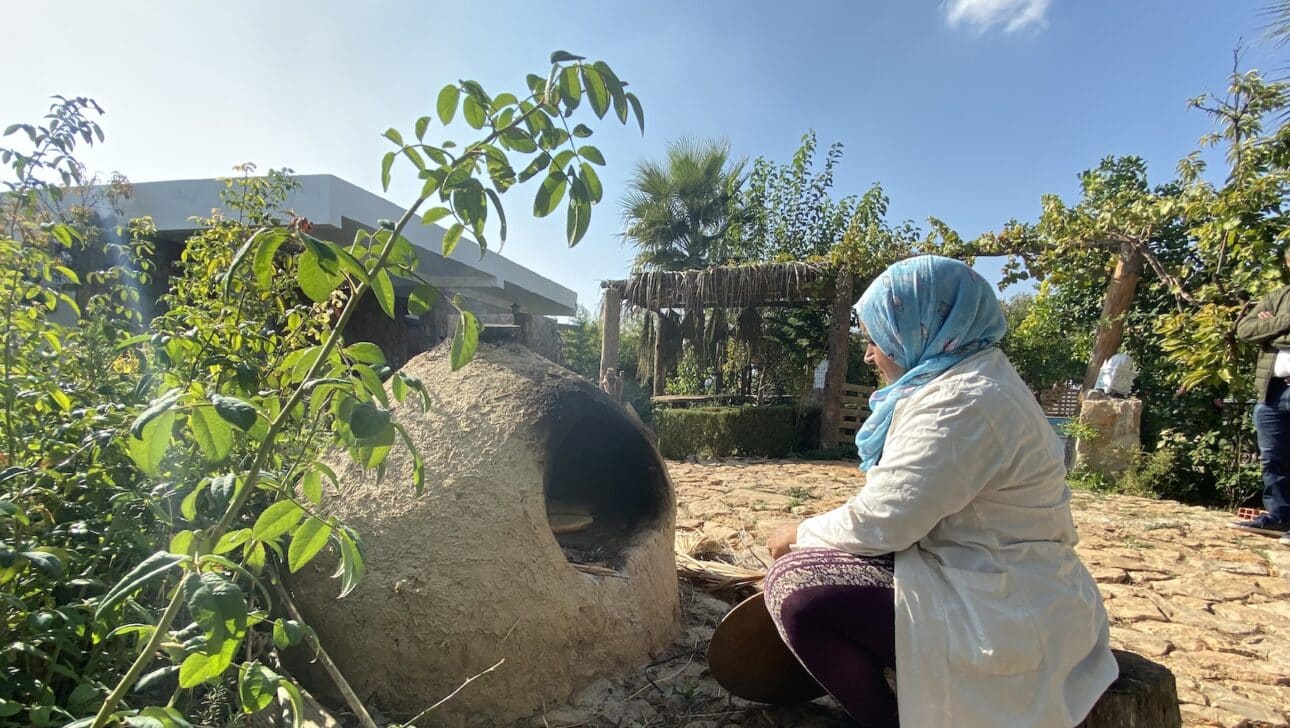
781	541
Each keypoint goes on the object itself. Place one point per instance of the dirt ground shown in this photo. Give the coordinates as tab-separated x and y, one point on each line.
1210	603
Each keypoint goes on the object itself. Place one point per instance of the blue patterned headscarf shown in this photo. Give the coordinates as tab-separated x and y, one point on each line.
927	314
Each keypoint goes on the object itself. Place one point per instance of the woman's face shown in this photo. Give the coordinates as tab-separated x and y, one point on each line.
874	357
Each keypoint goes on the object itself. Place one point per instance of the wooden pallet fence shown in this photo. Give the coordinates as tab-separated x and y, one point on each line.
855	410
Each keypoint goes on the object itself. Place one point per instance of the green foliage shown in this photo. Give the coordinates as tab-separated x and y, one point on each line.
1040	344
580	351
679	213
716	432
580	343
71	517
788	213
201	431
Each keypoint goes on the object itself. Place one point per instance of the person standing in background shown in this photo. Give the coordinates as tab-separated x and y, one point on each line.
1268	325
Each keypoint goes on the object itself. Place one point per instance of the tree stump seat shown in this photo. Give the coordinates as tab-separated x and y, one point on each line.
1144	696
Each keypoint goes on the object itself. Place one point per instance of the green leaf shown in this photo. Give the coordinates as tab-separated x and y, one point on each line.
565	57
421	126
366	352
311	486
286	633
232	540
582	131
309	538
236	411
636	108
145	572
394	136
451	238
538	164
314	279
466	340
473	113
217	606
181	543
434	215
367	421
223	488
501	213
383	289
591	154
351	561
155	409
371	382
188	507
570	88
447	106
276	520
592	182
262	264
387	163
297	702
256	687
422	299
198	667
418	465
597	92
46	563
350	264
256	238
150	448
549	194
211	432
579	219
60	398
64	233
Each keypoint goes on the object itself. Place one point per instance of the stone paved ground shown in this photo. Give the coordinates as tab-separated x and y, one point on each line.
1210	603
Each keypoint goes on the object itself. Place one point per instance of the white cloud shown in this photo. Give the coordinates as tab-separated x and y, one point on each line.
982	15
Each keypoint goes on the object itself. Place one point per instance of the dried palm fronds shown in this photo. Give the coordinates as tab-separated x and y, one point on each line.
761	284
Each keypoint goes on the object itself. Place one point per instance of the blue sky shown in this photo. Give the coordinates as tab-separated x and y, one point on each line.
968	110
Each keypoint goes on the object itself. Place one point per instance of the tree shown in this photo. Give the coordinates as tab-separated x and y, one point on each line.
678	213
788	213
1039	344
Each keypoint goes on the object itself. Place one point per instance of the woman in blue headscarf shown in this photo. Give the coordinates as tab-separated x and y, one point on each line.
947	592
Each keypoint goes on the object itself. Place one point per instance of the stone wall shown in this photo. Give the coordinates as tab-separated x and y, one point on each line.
1118	424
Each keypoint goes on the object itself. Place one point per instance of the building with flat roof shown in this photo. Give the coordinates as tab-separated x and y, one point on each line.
496	289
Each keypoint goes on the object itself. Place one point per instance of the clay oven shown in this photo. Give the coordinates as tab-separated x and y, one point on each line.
544	537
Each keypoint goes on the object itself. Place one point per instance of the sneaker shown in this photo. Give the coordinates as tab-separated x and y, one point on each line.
1265	525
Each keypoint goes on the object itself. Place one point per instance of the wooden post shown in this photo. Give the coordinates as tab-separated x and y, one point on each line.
660	368
836	376
1145	694
1118	301
610	317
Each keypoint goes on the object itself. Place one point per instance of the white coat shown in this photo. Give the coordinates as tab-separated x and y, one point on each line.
998	623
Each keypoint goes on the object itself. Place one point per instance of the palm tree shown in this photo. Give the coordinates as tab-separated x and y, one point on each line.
1277	27
678	213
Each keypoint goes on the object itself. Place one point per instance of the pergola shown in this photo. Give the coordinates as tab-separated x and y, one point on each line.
750	286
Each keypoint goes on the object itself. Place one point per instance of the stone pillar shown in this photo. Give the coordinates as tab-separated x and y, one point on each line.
1118	424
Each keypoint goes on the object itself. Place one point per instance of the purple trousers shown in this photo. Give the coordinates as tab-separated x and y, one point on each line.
836	612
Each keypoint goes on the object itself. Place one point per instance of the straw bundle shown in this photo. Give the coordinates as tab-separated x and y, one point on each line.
707	572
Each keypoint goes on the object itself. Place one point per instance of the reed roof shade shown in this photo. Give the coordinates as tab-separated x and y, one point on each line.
763	284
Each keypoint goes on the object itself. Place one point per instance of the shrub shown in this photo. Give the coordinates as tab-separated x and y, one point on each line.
773	431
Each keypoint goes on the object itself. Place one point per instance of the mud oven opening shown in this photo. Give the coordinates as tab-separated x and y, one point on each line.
604	482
